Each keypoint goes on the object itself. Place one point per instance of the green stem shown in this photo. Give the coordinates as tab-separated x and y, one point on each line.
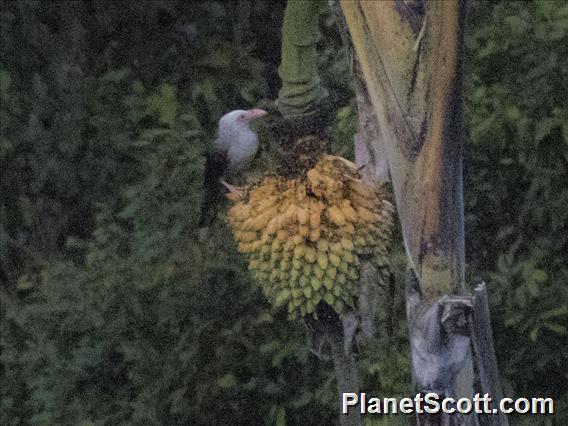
301	91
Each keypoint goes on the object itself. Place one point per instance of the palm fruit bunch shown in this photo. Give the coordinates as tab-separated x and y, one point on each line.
304	237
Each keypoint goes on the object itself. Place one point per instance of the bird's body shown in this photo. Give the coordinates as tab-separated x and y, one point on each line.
236	140
234	148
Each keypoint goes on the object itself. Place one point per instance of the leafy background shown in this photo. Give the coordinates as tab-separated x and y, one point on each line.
114	312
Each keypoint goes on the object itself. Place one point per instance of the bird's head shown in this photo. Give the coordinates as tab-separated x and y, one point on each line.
238	120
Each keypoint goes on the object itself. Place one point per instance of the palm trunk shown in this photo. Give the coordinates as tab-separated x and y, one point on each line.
409	54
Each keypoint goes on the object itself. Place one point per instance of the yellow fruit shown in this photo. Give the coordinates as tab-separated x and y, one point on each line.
346	244
336	216
240	212
360	241
288	245
245	247
248	236
366	215
303	231
272	226
297	240
276	246
311	254
348	257
348	229
336	248
315	220
233	196
303	236
265	204
290	212
368	203
282	235
361	189
299	251
303	216
314	235
348	211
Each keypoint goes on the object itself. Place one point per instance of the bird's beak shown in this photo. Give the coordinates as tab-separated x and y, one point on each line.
253	114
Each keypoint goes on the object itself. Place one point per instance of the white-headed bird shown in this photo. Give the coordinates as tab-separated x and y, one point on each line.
234	148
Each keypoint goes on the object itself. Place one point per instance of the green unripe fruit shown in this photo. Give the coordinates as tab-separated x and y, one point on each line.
284	265
282	297
331	272
336	248
337	290
328	298
334	259
318	272
323	262
316	298
299	251
353	274
316	283
311	254
323	245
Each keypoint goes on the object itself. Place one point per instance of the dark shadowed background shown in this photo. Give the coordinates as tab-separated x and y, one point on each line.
112	310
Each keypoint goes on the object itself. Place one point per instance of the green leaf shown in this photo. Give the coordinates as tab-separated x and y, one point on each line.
557	328
280	417
227	381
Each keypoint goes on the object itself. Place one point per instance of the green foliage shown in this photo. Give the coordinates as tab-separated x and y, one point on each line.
115	311
515	185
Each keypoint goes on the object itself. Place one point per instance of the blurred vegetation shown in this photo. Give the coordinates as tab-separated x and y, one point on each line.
113	311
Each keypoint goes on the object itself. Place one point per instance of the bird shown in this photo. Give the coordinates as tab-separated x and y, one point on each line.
233	151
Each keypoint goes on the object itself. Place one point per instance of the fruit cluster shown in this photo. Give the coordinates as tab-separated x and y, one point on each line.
305	237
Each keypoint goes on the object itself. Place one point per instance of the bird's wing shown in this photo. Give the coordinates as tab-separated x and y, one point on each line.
215	166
